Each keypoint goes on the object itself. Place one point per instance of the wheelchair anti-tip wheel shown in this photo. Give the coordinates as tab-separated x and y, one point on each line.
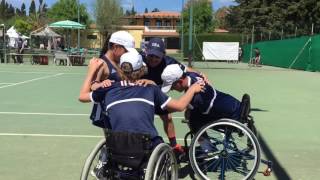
162	164
93	162
225	149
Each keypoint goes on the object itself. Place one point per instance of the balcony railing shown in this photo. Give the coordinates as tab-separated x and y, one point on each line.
162	28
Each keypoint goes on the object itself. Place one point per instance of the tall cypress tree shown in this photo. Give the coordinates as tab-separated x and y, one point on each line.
32	8
23	10
2	9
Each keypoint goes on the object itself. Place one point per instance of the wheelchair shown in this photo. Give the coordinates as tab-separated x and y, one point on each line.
130	156
226	149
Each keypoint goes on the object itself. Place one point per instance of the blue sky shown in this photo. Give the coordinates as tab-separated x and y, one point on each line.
140	5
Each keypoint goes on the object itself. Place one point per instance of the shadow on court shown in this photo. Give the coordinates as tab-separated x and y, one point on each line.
258	110
278	170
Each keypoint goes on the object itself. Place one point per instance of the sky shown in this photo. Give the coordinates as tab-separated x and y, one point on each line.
139	5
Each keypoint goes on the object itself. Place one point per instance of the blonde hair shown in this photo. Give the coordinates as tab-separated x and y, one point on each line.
129	74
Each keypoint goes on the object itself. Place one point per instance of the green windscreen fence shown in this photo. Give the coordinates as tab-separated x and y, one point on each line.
299	53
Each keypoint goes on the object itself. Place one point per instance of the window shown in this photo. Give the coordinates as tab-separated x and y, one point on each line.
158	23
146	23
167	23
91	36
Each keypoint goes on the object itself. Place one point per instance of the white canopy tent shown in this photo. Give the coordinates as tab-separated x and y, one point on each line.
13	36
49	34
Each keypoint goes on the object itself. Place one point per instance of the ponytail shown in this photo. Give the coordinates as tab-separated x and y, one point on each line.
105	47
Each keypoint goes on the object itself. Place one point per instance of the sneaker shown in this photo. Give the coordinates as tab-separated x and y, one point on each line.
99	172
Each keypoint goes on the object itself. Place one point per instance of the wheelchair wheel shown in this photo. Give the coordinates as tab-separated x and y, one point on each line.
225	149
92	162
162	164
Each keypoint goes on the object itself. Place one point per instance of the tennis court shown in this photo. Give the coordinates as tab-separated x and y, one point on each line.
45	132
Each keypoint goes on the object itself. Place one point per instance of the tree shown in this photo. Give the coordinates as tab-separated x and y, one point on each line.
275	16
108	15
23	10
155	10
202	17
133	12
32	8
68	10
2	8
220	17
23	26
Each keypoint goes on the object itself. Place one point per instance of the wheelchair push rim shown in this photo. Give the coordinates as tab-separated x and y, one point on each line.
162	164
92	161
225	149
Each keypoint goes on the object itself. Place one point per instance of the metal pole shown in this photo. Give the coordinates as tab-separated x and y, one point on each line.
269	35
182	33
190	33
78	22
312	29
242	39
295	32
4	45
281	33
252	41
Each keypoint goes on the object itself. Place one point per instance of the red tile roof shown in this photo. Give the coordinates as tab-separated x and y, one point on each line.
161	34
161	14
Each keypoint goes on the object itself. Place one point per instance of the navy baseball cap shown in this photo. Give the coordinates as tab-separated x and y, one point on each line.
155	47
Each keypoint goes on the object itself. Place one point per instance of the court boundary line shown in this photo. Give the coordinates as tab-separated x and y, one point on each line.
59	135
61	114
31	80
40	72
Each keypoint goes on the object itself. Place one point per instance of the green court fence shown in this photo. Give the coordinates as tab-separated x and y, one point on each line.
298	53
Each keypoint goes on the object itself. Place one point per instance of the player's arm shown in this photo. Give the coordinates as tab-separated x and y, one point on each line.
100	80
181	103
86	86
188	69
205	78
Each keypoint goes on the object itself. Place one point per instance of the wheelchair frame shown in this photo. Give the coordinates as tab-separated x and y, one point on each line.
229	150
161	164
244	128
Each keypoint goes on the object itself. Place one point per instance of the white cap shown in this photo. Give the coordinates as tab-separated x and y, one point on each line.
123	38
170	74
134	58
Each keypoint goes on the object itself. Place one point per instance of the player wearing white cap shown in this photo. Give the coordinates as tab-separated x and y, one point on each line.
131	107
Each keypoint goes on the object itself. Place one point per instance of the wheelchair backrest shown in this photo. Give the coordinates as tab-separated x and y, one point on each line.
128	149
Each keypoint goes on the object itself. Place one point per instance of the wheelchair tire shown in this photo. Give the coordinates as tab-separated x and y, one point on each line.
162	158
89	164
225	149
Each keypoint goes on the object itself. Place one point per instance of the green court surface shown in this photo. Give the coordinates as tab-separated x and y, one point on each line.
45	132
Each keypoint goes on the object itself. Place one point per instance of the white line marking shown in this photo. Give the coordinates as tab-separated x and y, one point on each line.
58	135
40	72
26	72
50	135
23	82
44	114
6	83
63	114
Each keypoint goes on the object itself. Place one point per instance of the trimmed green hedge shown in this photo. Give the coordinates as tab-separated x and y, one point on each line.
200	38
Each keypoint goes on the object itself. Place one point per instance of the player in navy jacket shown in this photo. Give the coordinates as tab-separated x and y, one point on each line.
156	60
205	106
